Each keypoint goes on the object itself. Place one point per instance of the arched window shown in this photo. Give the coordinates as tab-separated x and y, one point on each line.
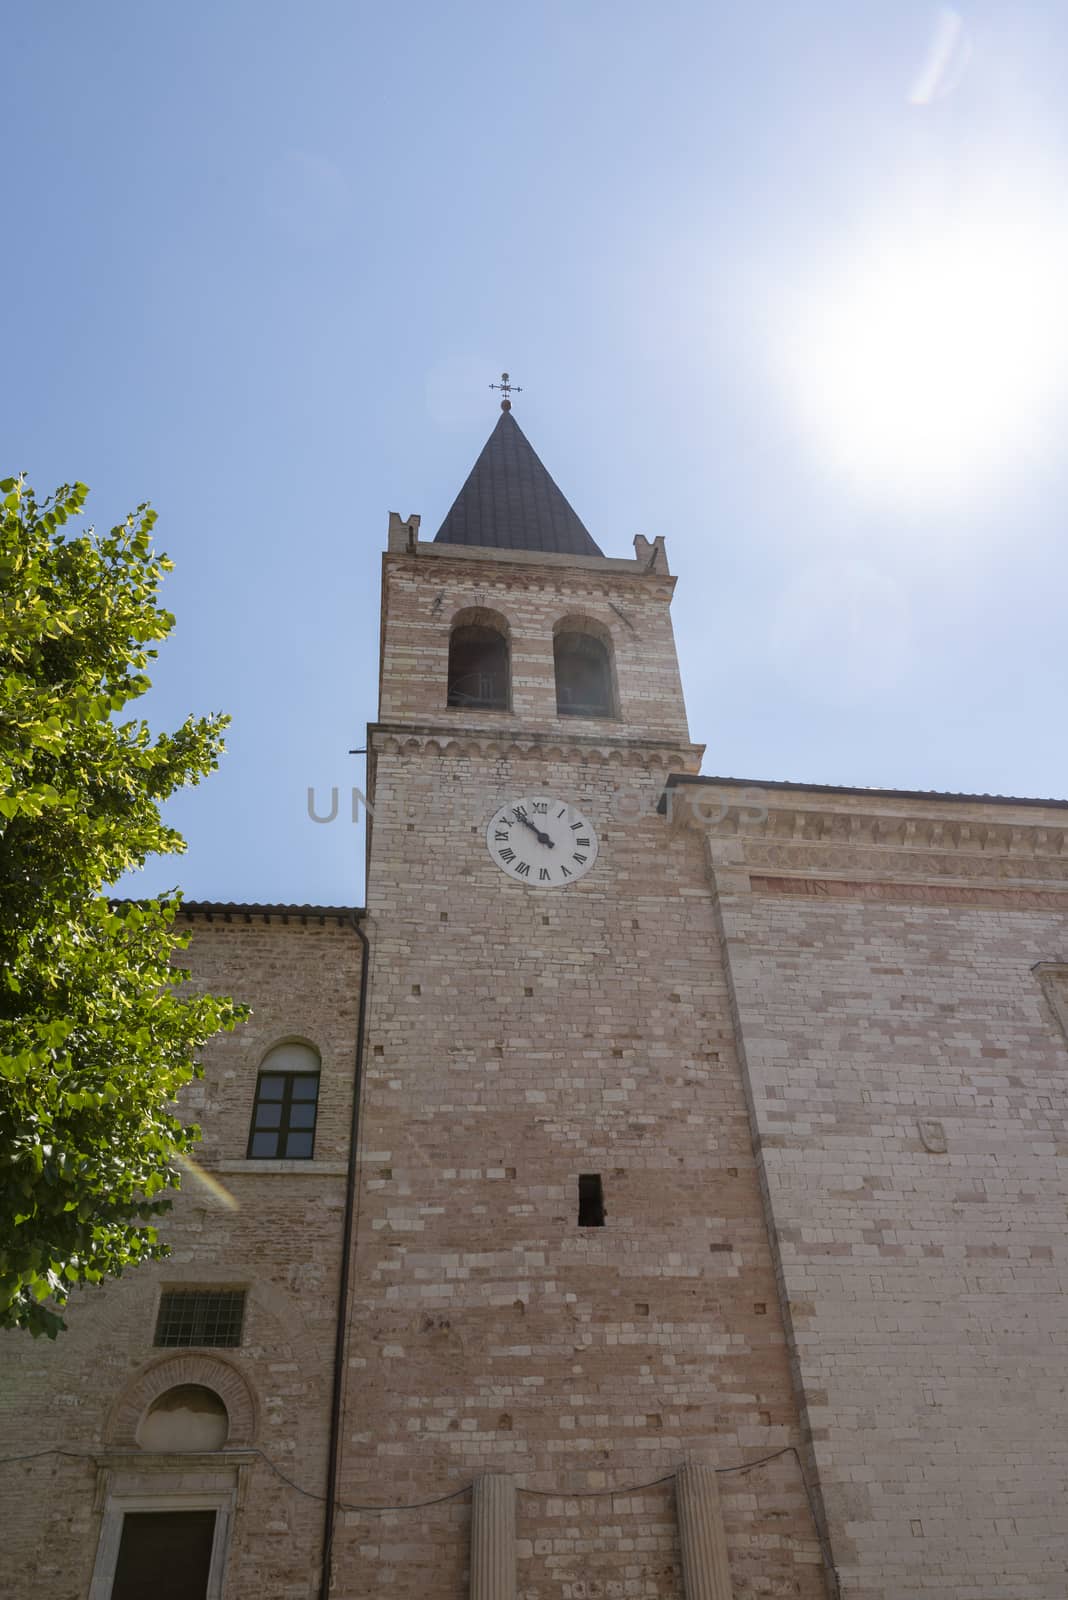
287	1096
583	674
478	662
187	1417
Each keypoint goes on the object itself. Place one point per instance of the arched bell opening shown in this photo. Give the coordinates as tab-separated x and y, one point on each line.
584	677
479	667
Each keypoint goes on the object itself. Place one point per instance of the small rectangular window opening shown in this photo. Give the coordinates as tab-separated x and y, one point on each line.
591	1200
200	1316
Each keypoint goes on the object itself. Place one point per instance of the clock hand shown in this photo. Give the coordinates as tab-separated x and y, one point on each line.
543	838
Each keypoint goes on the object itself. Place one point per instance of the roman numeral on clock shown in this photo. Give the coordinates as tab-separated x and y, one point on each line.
507	855
523	870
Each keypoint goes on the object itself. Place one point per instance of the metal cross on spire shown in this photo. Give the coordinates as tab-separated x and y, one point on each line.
506	388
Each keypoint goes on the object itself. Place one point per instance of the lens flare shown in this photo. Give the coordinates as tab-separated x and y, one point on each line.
210	1183
946	60
927	355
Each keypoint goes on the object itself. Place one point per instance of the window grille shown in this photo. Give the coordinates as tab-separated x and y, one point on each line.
200	1317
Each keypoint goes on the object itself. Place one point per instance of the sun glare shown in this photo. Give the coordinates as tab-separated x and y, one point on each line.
930	355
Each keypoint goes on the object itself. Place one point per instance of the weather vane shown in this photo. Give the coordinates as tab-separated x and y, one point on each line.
506	389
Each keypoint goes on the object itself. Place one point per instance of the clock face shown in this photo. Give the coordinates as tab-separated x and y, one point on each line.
542	841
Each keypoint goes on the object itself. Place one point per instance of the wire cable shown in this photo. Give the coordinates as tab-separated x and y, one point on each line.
309	1494
592	1494
456	1494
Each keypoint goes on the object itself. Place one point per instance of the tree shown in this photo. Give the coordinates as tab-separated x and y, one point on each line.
97	1035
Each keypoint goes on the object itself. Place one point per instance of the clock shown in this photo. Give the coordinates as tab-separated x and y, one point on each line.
542	841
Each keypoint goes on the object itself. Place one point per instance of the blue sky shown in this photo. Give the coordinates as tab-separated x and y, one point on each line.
782	282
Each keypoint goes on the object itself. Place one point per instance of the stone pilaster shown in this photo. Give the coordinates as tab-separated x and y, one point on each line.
705	1573
493	1538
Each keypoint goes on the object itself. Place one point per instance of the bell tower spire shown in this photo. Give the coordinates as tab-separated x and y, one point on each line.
510	502
513	615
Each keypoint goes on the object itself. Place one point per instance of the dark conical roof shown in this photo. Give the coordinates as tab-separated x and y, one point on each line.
509	502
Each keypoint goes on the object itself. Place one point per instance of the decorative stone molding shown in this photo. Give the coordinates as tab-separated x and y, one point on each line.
857	839
582	621
479	615
648	565
930	894
921	830
490	745
210	1371
181	1485
281	1169
818	859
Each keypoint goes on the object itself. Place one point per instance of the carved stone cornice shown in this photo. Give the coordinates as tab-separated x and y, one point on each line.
855	837
604	582
823	857
648	564
1017	898
488	744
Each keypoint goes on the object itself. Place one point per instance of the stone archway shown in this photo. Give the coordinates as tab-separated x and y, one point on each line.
207	1372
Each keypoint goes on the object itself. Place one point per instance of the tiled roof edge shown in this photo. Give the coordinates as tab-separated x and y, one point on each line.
677	778
229	910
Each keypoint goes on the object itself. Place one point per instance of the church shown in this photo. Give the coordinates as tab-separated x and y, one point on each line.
659	1189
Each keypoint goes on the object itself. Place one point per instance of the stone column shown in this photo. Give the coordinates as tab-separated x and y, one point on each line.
705	1574
493	1537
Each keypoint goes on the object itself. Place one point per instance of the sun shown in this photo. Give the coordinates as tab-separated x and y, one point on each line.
929	354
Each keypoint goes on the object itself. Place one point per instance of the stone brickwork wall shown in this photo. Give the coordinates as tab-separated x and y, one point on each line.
813	1043
422	595
516	1039
278	1235
909	1087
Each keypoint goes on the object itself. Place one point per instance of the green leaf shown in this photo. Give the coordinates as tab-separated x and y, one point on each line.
96	1041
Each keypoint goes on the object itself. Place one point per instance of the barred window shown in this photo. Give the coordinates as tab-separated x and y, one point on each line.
287	1099
200	1316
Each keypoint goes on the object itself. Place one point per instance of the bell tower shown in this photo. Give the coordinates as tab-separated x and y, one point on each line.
563	1292
572	644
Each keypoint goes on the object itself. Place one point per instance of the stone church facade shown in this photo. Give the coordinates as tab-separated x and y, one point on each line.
659	1189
